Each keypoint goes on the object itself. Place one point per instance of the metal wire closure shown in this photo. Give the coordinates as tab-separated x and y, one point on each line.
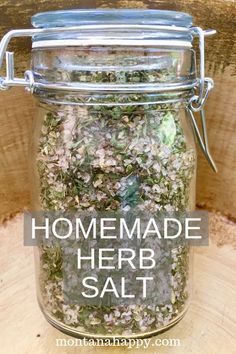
193	107
202	140
199	100
10	80
202	85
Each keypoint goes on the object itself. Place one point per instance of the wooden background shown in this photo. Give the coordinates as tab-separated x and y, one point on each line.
214	191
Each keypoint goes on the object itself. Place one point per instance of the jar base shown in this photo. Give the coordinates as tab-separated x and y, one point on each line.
75	333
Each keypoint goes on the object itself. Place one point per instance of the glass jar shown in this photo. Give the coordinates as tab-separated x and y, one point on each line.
116	93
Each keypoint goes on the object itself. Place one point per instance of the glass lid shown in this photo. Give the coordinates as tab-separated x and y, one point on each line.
112	27
80	17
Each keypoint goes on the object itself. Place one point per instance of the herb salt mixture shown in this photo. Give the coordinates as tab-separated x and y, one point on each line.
114	157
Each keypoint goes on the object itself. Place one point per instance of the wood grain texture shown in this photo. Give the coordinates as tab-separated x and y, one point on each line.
218	191
15	129
209	326
214	191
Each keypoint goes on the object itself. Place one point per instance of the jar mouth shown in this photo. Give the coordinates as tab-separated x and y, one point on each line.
112	26
107	72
